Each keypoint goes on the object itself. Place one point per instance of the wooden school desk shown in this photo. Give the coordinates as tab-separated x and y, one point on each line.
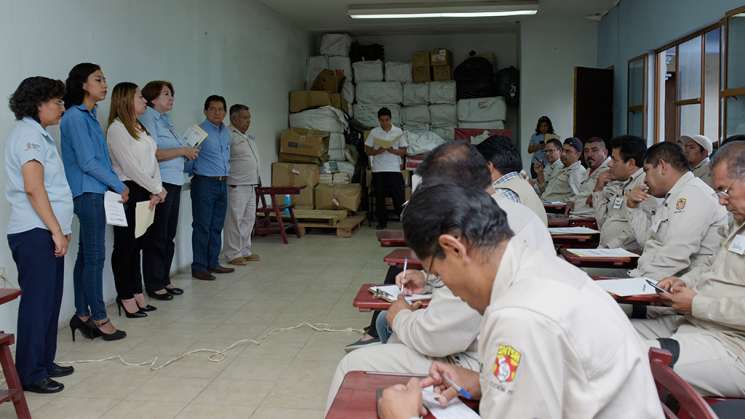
366	301
14	392
626	262
556	208
589	222
575	241
357	396
399	256
390	238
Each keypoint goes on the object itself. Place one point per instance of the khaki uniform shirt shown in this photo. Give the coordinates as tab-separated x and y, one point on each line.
552	170
684	233
520	186
555	345
244	159
586	187
719	305
613	216
703	171
566	183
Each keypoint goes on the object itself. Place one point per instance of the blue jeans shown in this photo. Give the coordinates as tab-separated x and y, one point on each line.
41	277
381	325
209	203
88	273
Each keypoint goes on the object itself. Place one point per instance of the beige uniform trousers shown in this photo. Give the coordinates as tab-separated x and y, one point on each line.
239	221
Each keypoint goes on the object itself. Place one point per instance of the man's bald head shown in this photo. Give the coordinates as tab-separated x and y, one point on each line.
457	163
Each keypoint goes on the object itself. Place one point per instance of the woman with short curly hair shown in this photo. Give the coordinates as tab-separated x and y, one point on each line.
39	228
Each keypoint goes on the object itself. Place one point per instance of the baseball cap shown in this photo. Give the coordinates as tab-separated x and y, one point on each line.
574	142
701	140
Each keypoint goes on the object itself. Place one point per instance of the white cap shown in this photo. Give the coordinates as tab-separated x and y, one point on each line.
701	140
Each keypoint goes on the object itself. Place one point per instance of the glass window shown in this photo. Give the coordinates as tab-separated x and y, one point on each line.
690	119
712	58
736	52
689	55
735	115
636	82
636	124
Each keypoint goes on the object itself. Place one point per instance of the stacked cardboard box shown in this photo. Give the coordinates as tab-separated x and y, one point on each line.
301	145
442	64
295	174
420	67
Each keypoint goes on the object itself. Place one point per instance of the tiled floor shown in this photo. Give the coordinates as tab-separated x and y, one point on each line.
312	279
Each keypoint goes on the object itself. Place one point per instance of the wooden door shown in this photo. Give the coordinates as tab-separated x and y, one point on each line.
593	103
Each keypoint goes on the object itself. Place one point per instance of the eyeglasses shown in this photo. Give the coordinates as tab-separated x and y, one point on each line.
59	102
724	193
433	280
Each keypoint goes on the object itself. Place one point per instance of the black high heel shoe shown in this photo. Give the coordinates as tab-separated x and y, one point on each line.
84	327
119	334
162	297
174	291
136	315
147	308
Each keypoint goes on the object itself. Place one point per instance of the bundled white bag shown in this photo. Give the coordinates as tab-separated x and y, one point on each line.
347	91
336	140
484	124
336	44
442	92
368	71
367	114
315	66
482	109
327	119
418	114
395	71
343	64
415	126
379	92
416	94
443	115
446	133
337	154
422	142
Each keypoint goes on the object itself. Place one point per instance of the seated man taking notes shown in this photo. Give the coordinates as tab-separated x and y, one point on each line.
541	356
706	329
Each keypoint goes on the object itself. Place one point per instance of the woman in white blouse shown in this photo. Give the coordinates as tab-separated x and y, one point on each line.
133	159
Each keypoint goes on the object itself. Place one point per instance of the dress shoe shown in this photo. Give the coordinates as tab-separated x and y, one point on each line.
117	335
86	328
252	258
45	386
174	290
56	371
221	270
162	297
204	276
238	262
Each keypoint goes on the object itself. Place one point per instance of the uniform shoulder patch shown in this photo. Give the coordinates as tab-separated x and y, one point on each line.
505	366
681	203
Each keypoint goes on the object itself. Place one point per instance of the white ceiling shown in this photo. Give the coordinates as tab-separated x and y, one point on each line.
331	15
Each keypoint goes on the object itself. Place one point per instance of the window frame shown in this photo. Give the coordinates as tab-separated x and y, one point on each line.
725	91
634	108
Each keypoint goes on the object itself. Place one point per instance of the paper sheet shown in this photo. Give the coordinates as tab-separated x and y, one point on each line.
114	209
553	203
603	253
391	292
456	409
144	217
194	136
381	143
627	286
572	230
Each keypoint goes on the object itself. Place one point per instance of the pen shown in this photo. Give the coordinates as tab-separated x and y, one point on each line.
461	391
406	264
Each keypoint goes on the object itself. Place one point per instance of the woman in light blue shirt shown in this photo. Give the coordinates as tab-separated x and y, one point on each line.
89	173
38	229
159	246
538	142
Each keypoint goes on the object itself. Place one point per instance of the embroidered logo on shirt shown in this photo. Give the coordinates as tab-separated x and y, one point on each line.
505	366
32	146
681	203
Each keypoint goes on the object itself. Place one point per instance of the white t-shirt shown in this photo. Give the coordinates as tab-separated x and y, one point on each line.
386	162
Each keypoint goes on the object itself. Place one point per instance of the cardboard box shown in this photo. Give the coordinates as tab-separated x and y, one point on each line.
441	56
301	100
337	101
338	197
420	59
304	142
442	73
421	74
294	174
295	158
329	81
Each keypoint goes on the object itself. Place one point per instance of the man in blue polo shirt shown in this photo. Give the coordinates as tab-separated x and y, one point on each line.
209	192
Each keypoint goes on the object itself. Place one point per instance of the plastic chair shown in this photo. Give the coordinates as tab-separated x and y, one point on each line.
671	385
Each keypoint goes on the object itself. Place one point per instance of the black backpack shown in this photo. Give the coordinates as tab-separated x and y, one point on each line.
508	85
474	69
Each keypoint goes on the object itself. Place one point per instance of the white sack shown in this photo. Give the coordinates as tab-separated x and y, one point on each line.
379	92
395	71
315	66
367	114
337	154
415	126
442	92
343	64
443	115
482	109
336	140
336	44
447	133
327	119
484	125
422	142
368	71
347	91
415	114
345	167
416	94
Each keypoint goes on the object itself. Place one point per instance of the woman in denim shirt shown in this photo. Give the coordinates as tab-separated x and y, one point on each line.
88	168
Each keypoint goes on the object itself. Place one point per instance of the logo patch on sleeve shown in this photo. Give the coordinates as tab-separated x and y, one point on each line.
681	203
505	366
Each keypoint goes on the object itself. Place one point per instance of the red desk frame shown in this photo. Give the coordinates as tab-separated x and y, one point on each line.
14	393
366	301
264	224
390	238
555	208
577	241
398	256
599	262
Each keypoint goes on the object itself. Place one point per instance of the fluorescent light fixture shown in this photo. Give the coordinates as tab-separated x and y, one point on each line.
443	10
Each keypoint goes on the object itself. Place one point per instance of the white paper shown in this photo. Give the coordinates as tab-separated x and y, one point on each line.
572	230
603	253
112	204
553	203
194	136
455	409
391	293
144	216
627	286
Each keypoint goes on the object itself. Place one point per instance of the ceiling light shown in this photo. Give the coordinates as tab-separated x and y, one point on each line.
441	10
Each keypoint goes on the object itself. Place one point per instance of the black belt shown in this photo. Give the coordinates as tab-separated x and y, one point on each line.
218	178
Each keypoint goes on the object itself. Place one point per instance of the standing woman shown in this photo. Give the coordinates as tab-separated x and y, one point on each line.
159	246
89	173
133	159
538	142
39	228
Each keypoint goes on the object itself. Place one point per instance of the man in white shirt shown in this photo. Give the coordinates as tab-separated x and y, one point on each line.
386	145
697	149
596	157
544	175
243	179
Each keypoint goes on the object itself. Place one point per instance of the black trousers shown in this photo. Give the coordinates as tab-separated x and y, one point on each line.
390	278
158	246
387	184
125	258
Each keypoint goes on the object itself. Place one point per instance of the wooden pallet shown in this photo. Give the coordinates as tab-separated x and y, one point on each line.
344	227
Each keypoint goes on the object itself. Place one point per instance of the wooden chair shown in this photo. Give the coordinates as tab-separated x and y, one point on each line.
14	393
264	213
670	384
